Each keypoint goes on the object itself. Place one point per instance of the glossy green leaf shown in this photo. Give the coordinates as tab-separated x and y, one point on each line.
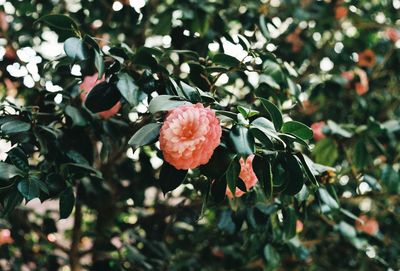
170	177
297	128
294	175
15	127
242	141
76	49
274	113
232	175
102	97
8	171
128	89
146	135
67	202
18	157
225	60
165	103
29	189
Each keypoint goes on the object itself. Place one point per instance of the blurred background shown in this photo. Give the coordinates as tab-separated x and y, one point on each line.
345	58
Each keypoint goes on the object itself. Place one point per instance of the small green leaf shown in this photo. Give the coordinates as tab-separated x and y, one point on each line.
226	60
146	135
8	171
361	155
129	90
170	177
272	257
67	202
99	63
297	128
327	198
294	175
289	222
29	189
76	49
232	175
19	159
102	97
15	127
242	141
274	113
325	152
190	92
75	115
60	22
165	103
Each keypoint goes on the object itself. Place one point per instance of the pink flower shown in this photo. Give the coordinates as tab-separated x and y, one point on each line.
367	58
317	129
5	237
246	174
370	225
299	226
392	34
341	12
362	86
3	21
86	86
189	136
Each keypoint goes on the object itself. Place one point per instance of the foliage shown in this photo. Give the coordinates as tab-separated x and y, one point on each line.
269	70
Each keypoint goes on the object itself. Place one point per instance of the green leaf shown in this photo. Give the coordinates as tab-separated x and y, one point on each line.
76	49
8	171
99	63
325	152
165	103
390	178
75	116
226	60
190	92
274	113
15	127
274	70
102	97
308	168
218	190
29	189
129	90
12	199
146	135
361	155
170	177
289	223
241	140
272	257
294	175
336	129
218	164
60	22
297	128
327	198
19	159
262	169
67	202
232	175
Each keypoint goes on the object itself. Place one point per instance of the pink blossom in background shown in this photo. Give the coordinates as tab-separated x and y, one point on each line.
363	85
189	136
246	174
393	34
317	129
367	58
299	226
3	22
5	237
86	86
341	12
370	225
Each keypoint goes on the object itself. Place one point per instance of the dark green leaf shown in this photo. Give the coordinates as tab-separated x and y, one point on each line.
146	135
19	159
165	103
75	116
129	90
297	128
327	198
232	175
76	49
29	189
67	202
272	257
99	63
8	171
289	222
59	21
102	97
241	140
14	127
294	175
226	60
170	177
274	113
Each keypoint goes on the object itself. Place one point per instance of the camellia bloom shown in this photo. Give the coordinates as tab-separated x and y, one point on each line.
362	86
189	136
86	86
5	237
299	226
246	174
317	129
341	12
392	34
370	225
294	39
3	22
366	58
